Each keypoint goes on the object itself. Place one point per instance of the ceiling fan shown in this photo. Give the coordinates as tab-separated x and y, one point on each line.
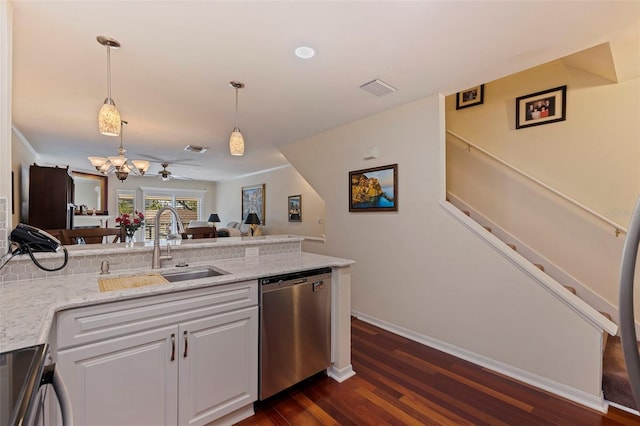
166	175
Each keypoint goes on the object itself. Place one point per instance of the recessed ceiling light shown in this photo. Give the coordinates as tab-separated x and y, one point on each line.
305	52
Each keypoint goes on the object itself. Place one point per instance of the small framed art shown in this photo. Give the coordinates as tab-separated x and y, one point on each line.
295	208
470	97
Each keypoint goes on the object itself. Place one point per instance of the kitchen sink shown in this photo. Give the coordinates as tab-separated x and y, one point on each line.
193	274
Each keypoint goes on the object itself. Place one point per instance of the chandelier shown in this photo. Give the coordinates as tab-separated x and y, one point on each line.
119	164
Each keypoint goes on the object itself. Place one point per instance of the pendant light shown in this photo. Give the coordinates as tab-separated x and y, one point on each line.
109	117
236	141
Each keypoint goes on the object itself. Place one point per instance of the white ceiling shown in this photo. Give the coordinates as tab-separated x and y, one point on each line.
170	79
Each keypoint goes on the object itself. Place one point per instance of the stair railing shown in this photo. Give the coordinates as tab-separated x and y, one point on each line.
617	228
627	317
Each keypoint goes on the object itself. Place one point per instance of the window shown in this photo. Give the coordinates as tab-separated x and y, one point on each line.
126	201
188	204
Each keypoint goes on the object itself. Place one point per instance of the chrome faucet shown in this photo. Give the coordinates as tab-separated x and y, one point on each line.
156	260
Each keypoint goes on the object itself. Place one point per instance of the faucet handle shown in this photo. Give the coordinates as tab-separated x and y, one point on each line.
168	255
104	267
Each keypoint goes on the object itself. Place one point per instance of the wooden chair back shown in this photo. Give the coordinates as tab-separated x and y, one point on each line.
57	233
92	235
200	232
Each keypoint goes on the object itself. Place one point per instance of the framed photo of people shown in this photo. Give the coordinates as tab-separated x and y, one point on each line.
470	97
548	106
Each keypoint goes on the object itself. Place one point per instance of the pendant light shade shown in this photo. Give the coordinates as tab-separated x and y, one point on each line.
236	141
109	122
109	119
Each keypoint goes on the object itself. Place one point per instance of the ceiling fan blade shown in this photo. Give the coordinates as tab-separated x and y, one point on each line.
158	160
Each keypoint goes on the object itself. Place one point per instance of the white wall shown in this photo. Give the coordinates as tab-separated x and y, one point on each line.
593	157
280	183
419	269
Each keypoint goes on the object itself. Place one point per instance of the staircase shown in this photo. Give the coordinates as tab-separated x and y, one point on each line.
615	381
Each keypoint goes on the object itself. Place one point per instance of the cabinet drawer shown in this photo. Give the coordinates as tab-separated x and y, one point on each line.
97	322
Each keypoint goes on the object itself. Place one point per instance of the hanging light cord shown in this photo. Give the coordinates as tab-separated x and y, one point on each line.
236	107
109	72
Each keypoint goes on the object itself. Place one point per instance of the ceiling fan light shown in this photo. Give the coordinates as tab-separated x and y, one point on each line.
109	119
236	142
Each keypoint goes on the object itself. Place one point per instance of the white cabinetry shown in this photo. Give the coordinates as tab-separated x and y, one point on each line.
220	370
186	358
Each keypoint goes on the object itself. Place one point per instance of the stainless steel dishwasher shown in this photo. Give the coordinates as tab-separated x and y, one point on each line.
295	328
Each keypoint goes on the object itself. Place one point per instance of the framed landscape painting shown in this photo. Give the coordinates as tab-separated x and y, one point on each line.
374	190
295	208
253	201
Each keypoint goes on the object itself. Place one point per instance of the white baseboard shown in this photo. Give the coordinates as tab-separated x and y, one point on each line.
623	408
340	374
575	395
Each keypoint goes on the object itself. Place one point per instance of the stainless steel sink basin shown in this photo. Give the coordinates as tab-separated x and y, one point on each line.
193	274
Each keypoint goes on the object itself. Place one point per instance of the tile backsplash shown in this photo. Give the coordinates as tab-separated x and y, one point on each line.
22	268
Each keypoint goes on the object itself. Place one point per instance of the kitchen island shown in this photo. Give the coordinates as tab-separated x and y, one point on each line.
30	307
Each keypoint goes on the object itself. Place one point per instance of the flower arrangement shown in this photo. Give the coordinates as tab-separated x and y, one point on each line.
130	222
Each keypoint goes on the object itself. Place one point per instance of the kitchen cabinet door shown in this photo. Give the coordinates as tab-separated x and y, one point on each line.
218	365
129	380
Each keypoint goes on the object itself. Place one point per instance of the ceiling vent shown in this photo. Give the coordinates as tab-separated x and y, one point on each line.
196	149
378	87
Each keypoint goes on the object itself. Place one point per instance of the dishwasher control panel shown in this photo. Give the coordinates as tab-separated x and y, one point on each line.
294	278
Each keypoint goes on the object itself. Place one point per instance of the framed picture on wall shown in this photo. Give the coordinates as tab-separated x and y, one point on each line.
294	208
548	106
253	201
374	190
470	97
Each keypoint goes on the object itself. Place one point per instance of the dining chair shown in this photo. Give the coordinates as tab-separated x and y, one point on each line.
200	232
92	235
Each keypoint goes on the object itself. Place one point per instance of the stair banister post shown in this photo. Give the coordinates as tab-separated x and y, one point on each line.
625	303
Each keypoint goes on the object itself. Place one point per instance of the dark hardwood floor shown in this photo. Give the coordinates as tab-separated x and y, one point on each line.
400	382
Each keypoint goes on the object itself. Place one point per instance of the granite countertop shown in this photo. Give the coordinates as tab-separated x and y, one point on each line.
102	249
27	307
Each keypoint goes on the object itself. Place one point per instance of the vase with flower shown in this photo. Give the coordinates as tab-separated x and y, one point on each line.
130	222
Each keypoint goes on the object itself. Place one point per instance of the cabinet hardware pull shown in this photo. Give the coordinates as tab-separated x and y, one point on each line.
186	345
173	347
